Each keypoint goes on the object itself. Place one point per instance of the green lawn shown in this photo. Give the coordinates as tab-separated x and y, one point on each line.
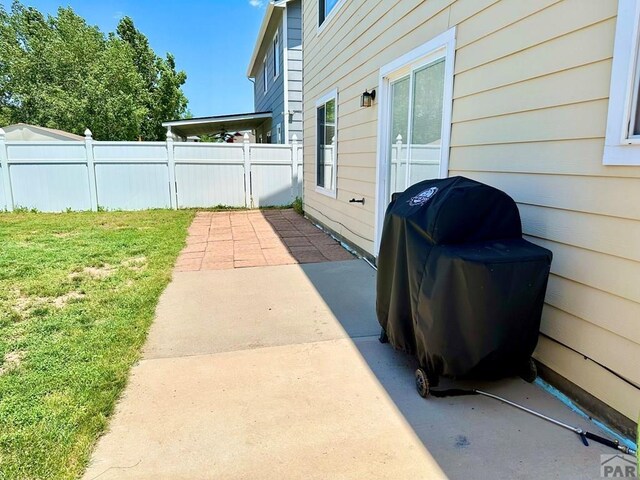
77	295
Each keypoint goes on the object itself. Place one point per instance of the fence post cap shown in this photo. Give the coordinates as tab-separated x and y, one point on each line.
399	138
294	138
2	134
88	134
169	136
245	137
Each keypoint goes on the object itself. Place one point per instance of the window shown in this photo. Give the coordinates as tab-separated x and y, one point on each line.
326	8
276	55
622	141
264	74
279	133
327	143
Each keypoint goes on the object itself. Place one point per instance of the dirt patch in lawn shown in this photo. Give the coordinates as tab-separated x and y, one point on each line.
25	304
135	263
11	361
63	300
97	273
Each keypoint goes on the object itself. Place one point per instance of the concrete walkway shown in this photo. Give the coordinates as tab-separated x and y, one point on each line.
276	372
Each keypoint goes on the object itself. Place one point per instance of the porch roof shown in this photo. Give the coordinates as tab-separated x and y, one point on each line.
208	125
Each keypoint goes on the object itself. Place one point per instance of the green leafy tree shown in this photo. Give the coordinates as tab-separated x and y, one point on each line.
165	100
60	72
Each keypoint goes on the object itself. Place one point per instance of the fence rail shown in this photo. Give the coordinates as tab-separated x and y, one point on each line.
56	176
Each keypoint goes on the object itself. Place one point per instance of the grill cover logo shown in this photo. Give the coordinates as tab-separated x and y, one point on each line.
423	197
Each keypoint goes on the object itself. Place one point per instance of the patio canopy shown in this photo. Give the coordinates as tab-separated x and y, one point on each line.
211	125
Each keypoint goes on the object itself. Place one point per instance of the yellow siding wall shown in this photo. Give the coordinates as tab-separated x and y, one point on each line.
529	115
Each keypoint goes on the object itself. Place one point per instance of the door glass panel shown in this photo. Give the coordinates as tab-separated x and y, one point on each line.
426	122
399	132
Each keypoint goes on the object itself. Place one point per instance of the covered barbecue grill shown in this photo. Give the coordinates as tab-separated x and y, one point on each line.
458	286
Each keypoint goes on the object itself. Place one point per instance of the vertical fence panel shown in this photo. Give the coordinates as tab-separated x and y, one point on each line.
171	165
294	166
271	175
4	204
132	175
209	174
425	163
91	170
300	168
5	181
49	176
246	156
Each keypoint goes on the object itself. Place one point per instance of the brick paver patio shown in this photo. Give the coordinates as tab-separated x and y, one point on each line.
255	238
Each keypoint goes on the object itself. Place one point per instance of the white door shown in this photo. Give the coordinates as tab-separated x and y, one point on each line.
415	120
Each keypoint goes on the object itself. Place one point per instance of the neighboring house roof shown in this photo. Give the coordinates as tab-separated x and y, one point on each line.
204	125
271	6
27	132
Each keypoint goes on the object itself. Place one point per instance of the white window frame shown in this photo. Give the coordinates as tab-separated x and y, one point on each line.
323	100
620	146
327	18
279	132
276	55
442	46
265	75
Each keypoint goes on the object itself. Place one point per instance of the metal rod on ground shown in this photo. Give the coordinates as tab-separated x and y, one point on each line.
584	435
528	410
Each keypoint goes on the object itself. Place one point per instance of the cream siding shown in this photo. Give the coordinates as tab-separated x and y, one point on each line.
530	106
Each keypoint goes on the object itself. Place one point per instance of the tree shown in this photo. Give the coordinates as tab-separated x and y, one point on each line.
165	100
62	73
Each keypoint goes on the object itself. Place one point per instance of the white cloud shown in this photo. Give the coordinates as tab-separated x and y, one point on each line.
256	3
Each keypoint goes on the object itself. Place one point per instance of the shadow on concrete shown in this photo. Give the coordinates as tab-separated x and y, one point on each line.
469	437
305	242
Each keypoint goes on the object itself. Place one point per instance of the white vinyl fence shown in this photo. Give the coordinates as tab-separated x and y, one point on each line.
412	163
56	176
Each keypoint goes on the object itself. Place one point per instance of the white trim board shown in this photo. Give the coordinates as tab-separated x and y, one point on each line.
285	73
265	75
621	148
441	46
332	193
276	53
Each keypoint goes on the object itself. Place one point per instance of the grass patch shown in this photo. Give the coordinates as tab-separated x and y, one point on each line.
298	206
77	295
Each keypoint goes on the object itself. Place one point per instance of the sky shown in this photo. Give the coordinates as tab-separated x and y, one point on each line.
212	41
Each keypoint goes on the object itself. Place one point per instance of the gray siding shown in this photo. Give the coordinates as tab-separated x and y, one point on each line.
294	24
273	99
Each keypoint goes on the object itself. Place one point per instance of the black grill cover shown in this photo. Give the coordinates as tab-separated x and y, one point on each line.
457	284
